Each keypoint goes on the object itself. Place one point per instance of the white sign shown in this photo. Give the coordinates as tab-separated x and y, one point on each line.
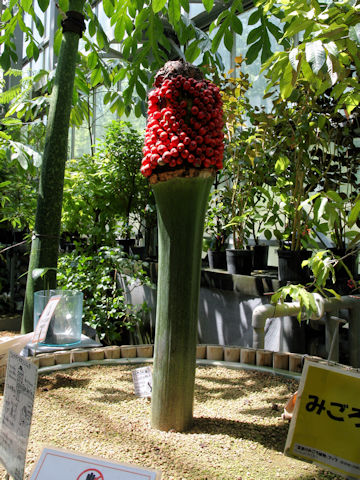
57	464
19	393
44	320
142	378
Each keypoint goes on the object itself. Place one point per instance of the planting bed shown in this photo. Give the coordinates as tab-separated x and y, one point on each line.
238	431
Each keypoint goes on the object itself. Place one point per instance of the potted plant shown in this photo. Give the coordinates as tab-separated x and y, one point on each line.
289	137
335	218
216	230
233	89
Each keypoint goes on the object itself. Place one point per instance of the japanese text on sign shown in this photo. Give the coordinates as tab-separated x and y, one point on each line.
324	426
19	393
142	378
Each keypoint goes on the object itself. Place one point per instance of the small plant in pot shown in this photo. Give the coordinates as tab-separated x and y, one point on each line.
337	218
216	232
239	165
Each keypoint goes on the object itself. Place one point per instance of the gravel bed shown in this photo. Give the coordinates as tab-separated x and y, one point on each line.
238	432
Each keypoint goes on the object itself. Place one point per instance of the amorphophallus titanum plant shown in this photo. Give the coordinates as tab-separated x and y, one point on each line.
183	149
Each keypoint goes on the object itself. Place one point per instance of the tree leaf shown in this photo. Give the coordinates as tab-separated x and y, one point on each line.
108	6
253	52
43	4
96	77
286	86
254	34
354	33
192	52
229	39
26	5
254	17
158	5
208	4
174	11
315	55
236	24
354	213
92	60
293	58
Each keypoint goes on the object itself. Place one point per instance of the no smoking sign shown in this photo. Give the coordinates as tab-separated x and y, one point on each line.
91	474
59	464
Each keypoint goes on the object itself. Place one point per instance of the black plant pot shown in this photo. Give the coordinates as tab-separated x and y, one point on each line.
217	259
140	251
260	255
290	269
126	243
239	261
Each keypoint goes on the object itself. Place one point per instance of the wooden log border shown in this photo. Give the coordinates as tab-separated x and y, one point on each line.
246	357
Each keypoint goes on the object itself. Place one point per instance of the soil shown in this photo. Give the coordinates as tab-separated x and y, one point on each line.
238	432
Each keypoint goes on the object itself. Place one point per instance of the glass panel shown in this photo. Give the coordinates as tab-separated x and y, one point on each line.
28	23
37	65
103	114
41	15
81	141
257	79
105	21
195	9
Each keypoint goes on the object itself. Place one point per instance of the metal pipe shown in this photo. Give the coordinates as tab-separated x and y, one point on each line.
350	302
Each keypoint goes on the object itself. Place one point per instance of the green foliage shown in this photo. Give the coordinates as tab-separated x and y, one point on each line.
217	217
19	161
246	171
335	215
105	308
297	293
327	54
103	190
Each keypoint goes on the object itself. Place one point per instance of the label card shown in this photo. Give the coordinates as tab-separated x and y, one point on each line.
44	320
325	425
19	393
142	378
57	464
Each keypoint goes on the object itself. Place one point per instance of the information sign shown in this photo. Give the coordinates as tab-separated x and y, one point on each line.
15	344
142	378
19	393
57	464
44	320
325	425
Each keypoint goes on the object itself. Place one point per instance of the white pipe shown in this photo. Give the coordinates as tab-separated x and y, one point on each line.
263	312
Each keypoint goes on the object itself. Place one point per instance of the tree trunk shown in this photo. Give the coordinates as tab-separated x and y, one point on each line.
181	204
45	240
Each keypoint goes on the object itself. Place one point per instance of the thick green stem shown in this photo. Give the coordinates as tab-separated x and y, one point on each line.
45	242
181	204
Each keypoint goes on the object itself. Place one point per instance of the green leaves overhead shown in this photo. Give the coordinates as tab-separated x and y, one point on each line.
327	57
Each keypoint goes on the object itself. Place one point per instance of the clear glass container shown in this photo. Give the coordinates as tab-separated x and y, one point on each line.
66	322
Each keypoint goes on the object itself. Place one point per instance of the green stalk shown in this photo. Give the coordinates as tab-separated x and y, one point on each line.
181	204
45	241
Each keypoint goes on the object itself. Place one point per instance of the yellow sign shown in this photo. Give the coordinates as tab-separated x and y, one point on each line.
325	427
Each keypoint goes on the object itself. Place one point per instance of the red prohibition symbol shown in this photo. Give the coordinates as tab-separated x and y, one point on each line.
90	474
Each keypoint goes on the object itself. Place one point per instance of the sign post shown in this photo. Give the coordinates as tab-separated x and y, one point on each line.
19	393
325	426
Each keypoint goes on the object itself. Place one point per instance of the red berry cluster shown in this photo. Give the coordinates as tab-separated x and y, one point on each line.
185	125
